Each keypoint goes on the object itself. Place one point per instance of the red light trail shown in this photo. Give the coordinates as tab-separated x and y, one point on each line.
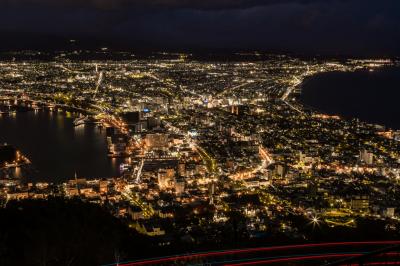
316	257
261	249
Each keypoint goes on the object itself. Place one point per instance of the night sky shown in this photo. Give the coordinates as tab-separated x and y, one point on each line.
332	27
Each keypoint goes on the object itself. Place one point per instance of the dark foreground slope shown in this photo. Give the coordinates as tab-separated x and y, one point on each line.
71	232
64	232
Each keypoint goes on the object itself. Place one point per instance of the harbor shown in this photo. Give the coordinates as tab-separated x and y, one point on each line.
55	146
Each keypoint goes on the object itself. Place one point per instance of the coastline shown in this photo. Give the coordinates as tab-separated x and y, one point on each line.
76	146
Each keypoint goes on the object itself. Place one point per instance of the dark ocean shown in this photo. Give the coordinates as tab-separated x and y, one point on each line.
370	96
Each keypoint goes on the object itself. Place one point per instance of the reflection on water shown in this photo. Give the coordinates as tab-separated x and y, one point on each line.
56	148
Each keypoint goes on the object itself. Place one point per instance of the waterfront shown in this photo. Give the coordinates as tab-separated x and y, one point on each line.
56	148
369	96
238	149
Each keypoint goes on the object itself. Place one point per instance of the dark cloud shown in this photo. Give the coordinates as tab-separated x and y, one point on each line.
360	27
189	4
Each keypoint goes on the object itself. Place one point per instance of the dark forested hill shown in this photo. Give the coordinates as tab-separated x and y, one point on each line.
64	232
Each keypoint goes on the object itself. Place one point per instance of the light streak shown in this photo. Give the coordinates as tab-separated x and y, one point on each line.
252	250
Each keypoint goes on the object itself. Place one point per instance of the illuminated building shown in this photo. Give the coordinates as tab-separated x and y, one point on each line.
367	157
157	140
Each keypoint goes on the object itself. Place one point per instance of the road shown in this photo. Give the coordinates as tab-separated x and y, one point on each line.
302	254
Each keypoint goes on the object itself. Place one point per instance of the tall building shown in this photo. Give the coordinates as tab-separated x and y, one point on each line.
280	171
153	122
359	203
166	178
180	186
182	169
366	157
